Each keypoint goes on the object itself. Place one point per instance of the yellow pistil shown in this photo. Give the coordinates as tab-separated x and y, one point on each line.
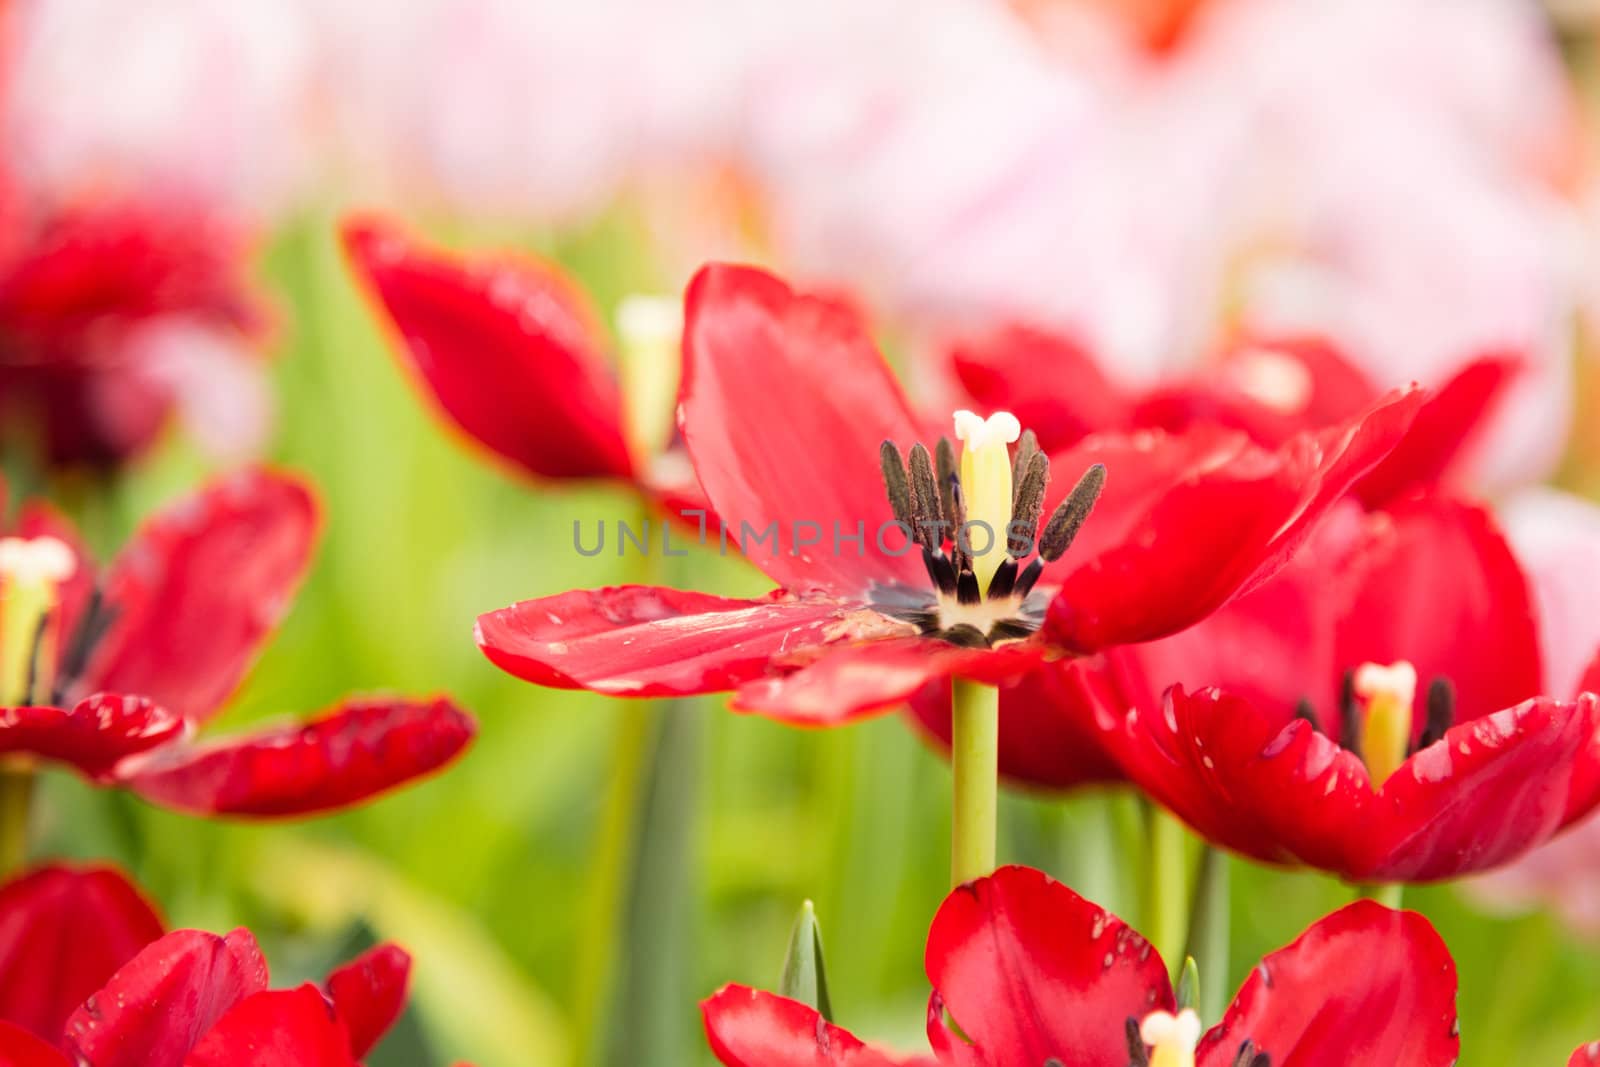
1171	1038
986	485
31	572
1388	695
649	335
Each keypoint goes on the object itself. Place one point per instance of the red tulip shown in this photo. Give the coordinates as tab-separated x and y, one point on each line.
1585	1055
793	421
110	673
1309	752
103	312
1026	972
1270	389
86	976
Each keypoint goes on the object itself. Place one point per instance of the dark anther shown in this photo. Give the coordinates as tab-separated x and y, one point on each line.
941	570
1441	711
1052	1062
944	454
1027	448
1008	629
1249	1057
899	489
967	591
966	635
34	650
1005	577
1137	1056
925	499
1304	710
1068	518
1029	575
1349	716
961	542
1026	507
97	619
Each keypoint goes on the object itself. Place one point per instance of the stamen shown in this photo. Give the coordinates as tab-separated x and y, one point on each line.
958	505
95	623
1171	1038
967	591
944	455
1004	580
1069	517
1027	448
1027	506
1138	1056
1389	694
925	500
966	635
1441	712
1249	1057
1304	710
895	483
1349	716
1030	574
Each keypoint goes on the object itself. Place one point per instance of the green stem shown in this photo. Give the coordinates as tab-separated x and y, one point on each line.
1389	895
1208	932
1167	904
601	921
975	760
16	806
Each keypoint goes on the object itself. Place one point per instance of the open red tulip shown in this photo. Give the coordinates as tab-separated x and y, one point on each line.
795	426
1312	749
1268	388
87	976
1026	972
111	672
88	299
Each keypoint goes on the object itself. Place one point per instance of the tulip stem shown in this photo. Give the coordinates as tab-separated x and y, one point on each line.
1389	894
1167	904
16	807
1208	932
975	761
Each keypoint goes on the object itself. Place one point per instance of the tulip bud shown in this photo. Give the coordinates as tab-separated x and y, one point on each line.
804	976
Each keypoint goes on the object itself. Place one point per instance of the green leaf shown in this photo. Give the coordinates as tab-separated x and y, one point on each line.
805	977
1188	984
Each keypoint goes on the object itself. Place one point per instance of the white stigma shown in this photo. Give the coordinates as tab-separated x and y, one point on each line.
1397	681
1274	379
976	432
37	561
1172	1038
643	319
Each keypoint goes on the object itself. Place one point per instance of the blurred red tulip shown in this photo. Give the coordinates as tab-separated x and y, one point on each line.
1031	973
114	316
111	673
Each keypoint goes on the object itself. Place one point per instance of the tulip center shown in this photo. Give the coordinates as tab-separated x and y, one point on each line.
1386	696
31	572
649	334
976	523
1171	1038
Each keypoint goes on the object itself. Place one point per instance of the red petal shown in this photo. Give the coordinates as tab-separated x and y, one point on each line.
508	348
1485	793
1446	424
291	1028
351	754
18	1048
63	933
749	1028
1048	382
854	680
785	402
1207	519
41	519
1031	971
369	993
1437	585
158	1006
1255	780
1048	733
199	588
1582	1056
645	641
1363	985
95	735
